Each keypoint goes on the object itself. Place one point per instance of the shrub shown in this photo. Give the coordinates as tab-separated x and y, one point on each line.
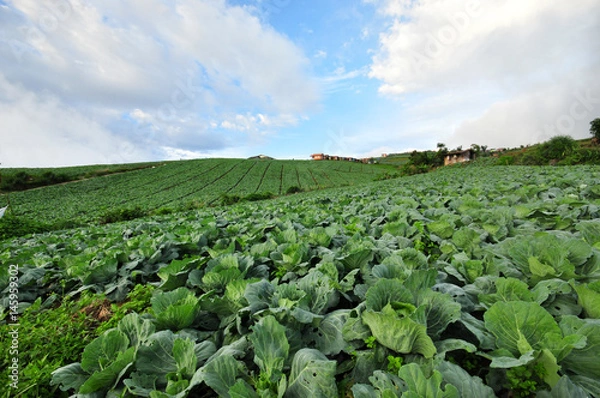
595	130
259	196
293	189
123	214
388	176
506	160
16	182
162	211
557	148
22	180
230	199
12	227
531	158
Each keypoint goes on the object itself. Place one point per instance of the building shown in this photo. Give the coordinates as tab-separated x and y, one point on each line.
458	156
318	156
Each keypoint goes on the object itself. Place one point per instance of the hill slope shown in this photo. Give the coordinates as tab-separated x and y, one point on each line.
185	184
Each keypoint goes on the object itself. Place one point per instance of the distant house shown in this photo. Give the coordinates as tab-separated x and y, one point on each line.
458	156
317	156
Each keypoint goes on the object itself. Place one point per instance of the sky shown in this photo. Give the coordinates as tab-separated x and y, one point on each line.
121	81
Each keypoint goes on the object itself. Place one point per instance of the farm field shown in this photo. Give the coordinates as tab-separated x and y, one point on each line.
465	282
175	185
395	159
26	178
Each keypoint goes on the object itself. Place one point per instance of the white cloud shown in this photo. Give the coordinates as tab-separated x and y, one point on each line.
170	67
171	153
39	130
257	125
341	79
534	117
505	67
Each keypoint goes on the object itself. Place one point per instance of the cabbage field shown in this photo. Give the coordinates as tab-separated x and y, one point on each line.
465	282
176	185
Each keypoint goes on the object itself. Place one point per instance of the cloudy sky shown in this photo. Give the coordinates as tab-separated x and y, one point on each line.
115	81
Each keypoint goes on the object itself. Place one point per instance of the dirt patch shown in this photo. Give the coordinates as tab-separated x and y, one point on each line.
100	311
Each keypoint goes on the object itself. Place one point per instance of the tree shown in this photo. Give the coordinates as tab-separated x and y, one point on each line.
595	129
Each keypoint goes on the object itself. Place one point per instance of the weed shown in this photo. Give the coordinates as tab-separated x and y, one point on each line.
62	333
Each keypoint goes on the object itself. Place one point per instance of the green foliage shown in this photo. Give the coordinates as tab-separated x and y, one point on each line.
424	161
595	129
293	189
259	196
525	381
388	176
373	290
394	363
228	200
23	180
122	214
49	337
138	301
11	226
557	148
506	160
181	186
253	197
370	341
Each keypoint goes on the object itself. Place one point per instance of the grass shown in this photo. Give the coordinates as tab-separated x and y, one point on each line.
56	335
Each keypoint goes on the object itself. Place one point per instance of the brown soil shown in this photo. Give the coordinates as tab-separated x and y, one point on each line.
100	311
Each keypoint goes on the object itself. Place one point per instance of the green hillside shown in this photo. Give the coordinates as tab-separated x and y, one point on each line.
173	186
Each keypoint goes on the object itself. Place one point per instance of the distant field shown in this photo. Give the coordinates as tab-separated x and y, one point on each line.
395	160
15	179
175	185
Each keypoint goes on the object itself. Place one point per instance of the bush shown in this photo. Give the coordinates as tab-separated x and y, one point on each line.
583	156
388	176
13	227
293	189
557	148
259	196
230	199
123	214
531	158
22	180
16	182
162	211
506	160
595	129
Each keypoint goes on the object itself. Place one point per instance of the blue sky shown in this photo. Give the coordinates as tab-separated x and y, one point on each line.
118	81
